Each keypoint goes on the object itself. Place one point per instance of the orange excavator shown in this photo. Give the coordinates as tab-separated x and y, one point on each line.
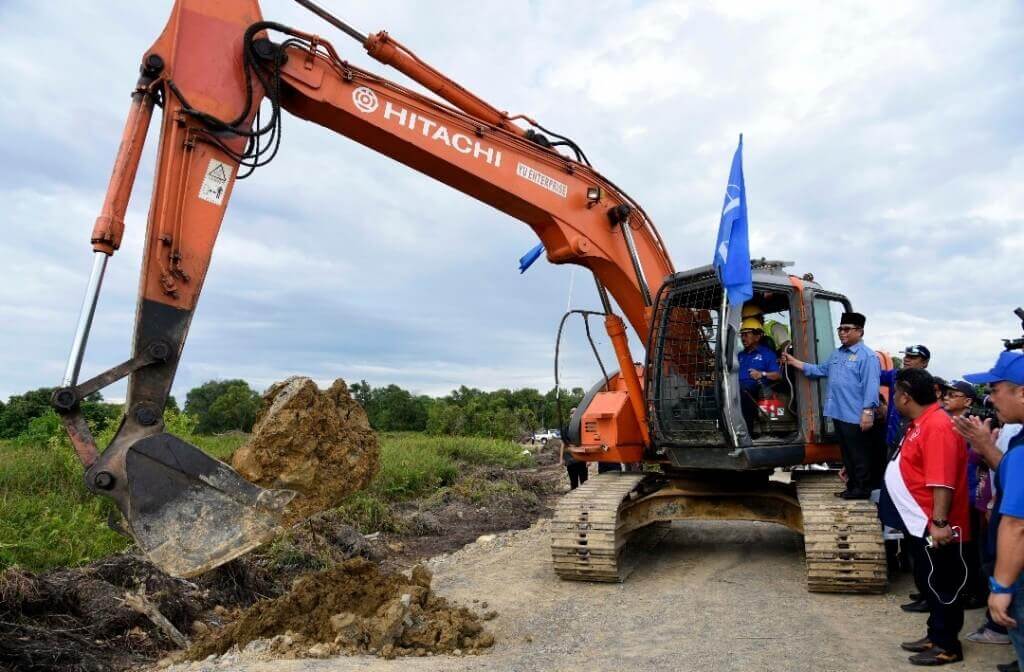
223	77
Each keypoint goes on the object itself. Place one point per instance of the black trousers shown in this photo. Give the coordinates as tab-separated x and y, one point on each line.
602	467
748	405
857	449
947	573
879	455
577	473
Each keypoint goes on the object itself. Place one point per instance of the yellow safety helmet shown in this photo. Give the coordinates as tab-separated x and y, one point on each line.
751	324
751	310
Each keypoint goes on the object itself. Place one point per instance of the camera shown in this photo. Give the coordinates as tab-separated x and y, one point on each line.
1016	343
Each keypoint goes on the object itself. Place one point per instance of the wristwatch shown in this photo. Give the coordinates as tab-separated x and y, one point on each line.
998	588
940	523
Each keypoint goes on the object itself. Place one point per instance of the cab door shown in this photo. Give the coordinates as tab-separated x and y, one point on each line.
827	310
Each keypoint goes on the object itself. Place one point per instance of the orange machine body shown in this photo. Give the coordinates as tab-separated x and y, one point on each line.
208	58
472	148
610	431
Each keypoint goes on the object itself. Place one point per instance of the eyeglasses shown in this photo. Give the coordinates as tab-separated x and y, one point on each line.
843	330
950	394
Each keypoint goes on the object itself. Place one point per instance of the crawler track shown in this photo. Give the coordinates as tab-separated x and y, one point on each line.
843	542
586	543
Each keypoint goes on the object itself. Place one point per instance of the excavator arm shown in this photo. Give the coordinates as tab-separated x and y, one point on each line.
216	71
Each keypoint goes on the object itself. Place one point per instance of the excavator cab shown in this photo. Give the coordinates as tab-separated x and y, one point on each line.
693	390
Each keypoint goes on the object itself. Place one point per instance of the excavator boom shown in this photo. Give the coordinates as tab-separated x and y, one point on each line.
212	70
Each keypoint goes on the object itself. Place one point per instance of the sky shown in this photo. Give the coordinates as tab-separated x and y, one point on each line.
883	151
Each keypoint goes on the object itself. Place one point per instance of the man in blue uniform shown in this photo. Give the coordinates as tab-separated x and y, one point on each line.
853	379
1006	597
758	366
914	357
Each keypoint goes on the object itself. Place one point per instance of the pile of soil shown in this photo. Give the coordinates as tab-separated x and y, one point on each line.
75	620
353	608
316	442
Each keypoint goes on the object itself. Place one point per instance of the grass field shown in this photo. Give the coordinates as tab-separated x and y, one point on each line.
48	518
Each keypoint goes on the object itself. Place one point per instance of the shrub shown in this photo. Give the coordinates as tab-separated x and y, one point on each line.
409	469
369	513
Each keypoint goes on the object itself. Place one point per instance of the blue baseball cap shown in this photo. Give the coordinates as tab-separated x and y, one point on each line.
1009	367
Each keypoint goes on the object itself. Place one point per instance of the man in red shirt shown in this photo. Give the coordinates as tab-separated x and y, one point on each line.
927	483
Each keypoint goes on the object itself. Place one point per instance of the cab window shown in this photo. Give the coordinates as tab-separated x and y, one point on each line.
827	315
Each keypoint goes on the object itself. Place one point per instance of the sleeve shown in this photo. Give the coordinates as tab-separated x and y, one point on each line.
771	361
944	458
1012	480
818	370
872	372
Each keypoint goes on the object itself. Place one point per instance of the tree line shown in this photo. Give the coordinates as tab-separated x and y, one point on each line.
219	406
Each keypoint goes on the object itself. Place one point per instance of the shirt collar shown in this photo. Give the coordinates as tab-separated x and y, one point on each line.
934	408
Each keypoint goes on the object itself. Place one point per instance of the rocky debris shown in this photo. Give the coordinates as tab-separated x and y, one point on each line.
77	620
352	608
316	442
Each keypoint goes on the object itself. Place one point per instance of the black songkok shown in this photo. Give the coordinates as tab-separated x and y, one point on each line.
856	319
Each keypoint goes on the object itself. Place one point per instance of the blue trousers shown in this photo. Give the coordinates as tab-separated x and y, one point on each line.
1017	634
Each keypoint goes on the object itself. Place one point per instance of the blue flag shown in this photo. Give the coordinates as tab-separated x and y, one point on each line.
527	259
732	249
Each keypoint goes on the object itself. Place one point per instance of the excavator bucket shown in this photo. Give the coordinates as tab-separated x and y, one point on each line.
189	512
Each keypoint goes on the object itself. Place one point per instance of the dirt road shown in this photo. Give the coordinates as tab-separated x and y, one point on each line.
712	596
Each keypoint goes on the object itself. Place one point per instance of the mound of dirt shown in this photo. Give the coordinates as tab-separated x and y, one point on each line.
353	608
316	442
76	620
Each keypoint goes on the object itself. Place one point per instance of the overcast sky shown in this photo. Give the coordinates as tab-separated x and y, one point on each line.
884	152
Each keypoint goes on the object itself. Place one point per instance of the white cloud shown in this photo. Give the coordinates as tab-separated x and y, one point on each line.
883	152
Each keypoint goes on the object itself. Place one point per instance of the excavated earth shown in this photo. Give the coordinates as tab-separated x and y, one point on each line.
316	442
353	608
73	620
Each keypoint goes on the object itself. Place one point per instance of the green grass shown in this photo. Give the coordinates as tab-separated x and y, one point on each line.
48	519
220	446
468	449
414	465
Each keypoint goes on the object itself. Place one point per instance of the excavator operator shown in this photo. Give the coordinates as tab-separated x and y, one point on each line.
758	365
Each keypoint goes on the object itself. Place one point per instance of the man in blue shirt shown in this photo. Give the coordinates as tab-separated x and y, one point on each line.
1006	598
758	366
914	357
853	379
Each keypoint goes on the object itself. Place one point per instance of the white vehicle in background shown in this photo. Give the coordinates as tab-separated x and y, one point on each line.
543	436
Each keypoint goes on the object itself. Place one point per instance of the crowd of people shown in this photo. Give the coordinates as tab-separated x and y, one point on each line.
948	479
939	459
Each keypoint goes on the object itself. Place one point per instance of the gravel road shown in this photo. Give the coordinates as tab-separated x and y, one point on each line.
704	596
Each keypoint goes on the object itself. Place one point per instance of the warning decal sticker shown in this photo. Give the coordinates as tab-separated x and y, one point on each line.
215	182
